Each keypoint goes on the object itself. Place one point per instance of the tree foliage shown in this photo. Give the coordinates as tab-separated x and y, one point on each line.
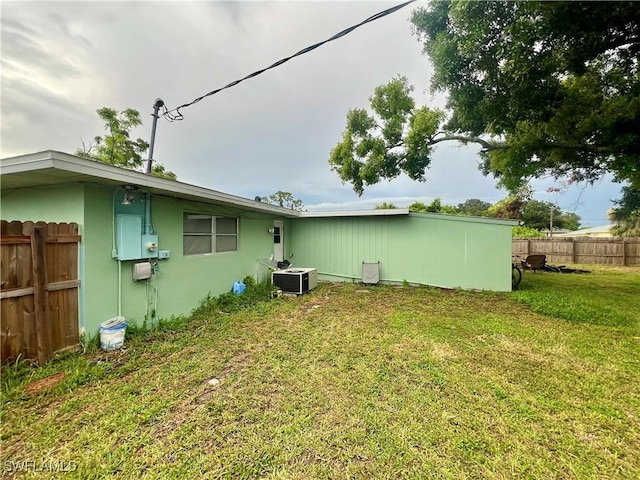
568	220
626	213
436	206
384	206
512	206
117	148
284	199
474	207
522	231
541	215
534	215
394	139
545	89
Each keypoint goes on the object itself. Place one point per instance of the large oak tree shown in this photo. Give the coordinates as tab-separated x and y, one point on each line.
545	89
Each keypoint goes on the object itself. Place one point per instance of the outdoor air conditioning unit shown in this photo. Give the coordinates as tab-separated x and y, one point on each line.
295	280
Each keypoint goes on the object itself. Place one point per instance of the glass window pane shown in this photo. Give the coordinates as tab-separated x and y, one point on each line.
226	225
194	223
194	245
226	243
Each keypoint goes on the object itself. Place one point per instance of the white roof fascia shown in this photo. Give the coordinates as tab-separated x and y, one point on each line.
356	213
466	218
71	163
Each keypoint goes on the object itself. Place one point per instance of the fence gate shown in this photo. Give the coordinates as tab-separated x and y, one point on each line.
39	291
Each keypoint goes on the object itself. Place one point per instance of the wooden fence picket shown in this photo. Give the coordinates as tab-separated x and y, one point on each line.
581	250
39	289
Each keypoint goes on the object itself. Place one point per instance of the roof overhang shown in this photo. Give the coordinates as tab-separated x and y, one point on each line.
406	212
465	218
356	213
56	168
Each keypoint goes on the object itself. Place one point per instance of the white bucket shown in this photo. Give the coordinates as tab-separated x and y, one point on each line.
112	333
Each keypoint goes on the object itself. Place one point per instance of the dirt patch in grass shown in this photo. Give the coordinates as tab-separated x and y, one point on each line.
114	357
443	351
40	386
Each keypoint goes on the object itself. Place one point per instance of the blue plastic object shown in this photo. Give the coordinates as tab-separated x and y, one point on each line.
239	288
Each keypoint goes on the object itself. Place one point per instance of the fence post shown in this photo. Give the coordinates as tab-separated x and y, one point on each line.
624	251
40	297
573	250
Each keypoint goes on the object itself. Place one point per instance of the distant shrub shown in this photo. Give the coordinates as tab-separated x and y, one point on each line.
521	231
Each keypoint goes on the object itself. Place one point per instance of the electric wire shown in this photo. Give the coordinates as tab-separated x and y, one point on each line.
175	114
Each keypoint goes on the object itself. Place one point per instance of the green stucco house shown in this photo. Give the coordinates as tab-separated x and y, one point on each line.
200	241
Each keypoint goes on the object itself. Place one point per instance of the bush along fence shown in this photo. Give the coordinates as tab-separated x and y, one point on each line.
584	250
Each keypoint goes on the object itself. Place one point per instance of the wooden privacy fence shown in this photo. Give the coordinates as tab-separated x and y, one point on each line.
39	291
586	250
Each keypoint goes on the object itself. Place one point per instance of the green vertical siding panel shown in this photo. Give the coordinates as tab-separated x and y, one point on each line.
443	251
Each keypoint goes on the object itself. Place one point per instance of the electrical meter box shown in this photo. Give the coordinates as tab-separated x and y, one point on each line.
132	244
149	246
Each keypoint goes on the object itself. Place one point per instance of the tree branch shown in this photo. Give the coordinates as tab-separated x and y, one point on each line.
488	146
621	42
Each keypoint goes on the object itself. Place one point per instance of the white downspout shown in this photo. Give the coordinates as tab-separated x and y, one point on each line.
114	251
119	288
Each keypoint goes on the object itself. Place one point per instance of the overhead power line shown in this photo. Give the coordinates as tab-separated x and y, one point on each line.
175	114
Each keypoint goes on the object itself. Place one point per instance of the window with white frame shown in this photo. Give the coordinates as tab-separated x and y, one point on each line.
209	234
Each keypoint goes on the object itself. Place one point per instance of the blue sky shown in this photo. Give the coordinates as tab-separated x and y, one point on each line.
63	61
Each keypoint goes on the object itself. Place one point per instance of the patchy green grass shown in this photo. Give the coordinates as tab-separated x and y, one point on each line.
353	382
606	296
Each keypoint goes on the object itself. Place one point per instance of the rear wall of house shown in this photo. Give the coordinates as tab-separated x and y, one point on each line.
438	250
181	281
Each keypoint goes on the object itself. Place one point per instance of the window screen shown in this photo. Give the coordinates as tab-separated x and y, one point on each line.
226	234
204	234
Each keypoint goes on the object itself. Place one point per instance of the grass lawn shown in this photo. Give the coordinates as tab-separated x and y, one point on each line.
353	382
